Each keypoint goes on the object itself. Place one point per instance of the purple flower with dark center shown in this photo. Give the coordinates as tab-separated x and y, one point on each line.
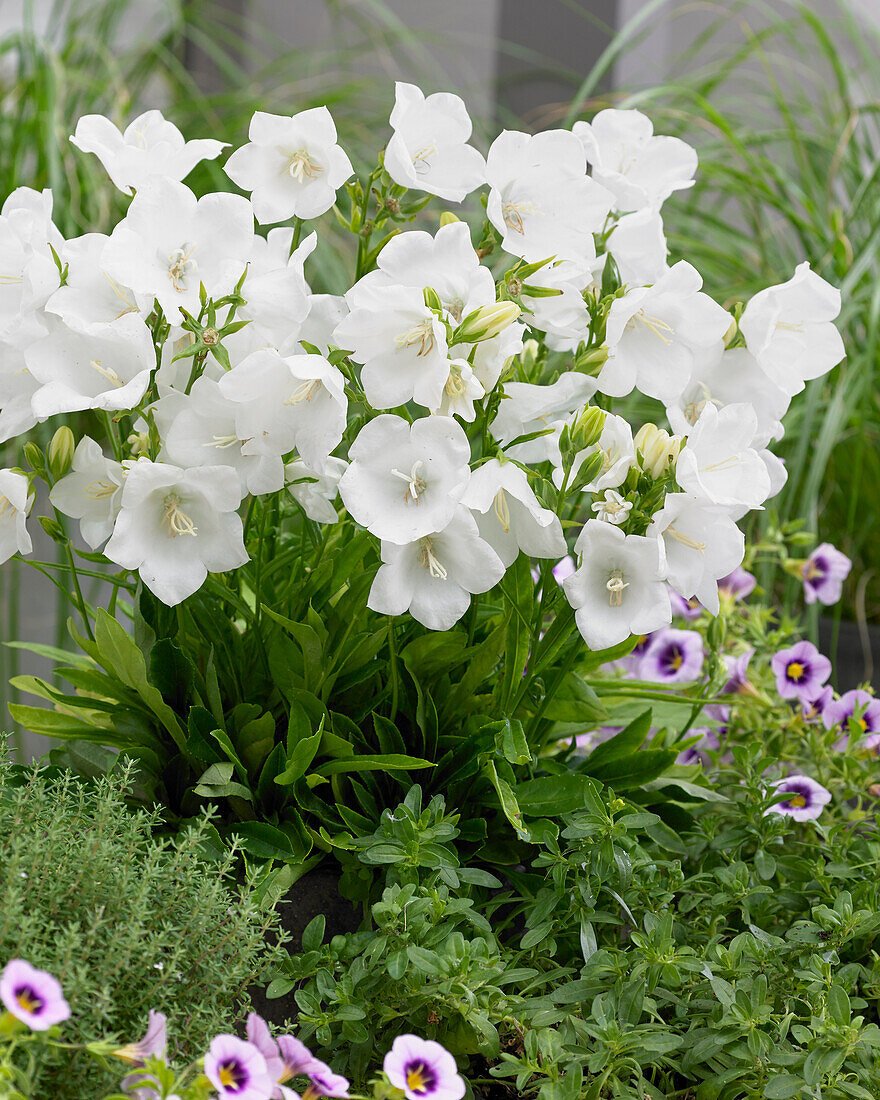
673	657
698	753
823	574
323	1081
812	709
237	1069
425	1070
806	798
284	1059
139	1084
684	609
738	681
839	711
738	584
32	996
800	671
297	1056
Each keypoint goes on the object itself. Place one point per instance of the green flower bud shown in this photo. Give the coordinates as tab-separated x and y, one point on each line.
432	298
529	354
34	458
657	449
589	470
53	528
61	452
447	218
486	322
588	427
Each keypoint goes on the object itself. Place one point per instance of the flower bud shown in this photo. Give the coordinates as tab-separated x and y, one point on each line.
432	298
657	449
34	458
486	322
588	471
529	354
588	427
592	361
447	218
53	528
61	452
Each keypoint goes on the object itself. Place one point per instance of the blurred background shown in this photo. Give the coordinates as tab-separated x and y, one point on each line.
780	99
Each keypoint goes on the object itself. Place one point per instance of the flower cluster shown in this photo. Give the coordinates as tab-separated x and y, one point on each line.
255	1068
457	399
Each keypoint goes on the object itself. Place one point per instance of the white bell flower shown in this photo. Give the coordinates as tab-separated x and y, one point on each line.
175	526
434	576
529	408
617	448
399	341
509	515
541	199
16	501
612	508
106	368
91	492
17	388
287	402
789	329
702	544
491	357
325	313
638	245
462	389
405	480
28	272
276	293
292	165
169	243
150	148
562	317
778	476
638	168
718	463
428	150
316	491
727	377
618	588
200	429
652	334
89	296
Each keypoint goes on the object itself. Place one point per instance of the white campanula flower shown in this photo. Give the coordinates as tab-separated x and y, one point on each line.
530	408
462	389
287	402
653	333
150	148
107	368
509	515
541	199
718	463
17	388
563	318
617	589
638	245
292	165
491	357
169	243
702	545
91	492
639	169
405	480
612	508
434	576
790	331
89	295
325	313
400	342
726	378
28	272
617	448
316	491
175	526
429	150
200	429
16	501
423	1069
276	292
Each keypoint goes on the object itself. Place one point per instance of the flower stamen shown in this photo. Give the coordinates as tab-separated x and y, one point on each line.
502	511
686	540
302	166
107	372
428	561
421	334
415	482
512	213
100	490
180	262
175	519
304	392
615	586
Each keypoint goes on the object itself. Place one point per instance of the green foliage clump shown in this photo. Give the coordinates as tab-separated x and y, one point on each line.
125	921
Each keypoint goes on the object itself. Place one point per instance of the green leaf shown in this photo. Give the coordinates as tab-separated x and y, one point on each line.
367	763
519	591
635	770
783	1087
575	701
622	745
509	805
298	761
510	740
265	841
552	795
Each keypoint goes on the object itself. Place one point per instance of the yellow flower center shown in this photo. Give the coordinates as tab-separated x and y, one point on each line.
28	1000
797	802
795	671
416	1079
677	661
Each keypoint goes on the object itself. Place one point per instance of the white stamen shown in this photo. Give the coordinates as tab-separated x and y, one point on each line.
175	519
421	159
304	392
415	482
653	324
100	490
222	441
107	372
421	334
180	262
502	511
615	586
301	166
428	561
725	464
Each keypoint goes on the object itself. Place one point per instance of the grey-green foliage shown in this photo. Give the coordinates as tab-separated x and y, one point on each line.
127	922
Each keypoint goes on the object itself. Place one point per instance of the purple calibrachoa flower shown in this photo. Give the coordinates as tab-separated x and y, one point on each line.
297	1057
282	1061
839	711
141	1084
424	1069
673	657
323	1081
823	574
813	709
806	798
737	680
684	609
738	584
32	996
237	1070
800	671
697	754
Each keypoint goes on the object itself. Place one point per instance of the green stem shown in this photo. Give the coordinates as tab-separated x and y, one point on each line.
395	673
297	233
